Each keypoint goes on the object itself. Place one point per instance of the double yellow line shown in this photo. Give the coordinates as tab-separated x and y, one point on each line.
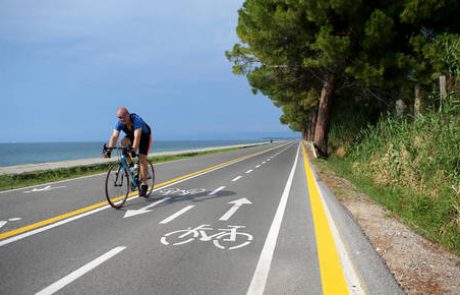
43	223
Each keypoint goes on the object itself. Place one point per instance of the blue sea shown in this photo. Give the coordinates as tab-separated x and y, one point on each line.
31	153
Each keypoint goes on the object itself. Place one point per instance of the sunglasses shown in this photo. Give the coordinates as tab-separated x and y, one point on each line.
122	117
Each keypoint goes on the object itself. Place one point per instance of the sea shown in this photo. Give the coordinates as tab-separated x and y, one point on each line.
31	153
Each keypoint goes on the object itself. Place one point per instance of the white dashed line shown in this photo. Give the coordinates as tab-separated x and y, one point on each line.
264	162
259	279
257	166
80	272
236	178
177	214
216	190
249	171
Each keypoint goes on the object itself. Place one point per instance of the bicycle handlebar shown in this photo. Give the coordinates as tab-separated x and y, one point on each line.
127	149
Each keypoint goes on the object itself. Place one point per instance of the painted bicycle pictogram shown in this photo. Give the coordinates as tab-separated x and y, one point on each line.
225	238
180	192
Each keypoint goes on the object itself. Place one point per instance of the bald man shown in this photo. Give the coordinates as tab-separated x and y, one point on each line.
138	136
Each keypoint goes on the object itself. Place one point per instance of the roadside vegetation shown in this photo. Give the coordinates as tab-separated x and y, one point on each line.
375	85
12	181
412	167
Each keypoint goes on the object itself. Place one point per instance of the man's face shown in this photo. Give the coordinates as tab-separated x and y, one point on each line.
123	116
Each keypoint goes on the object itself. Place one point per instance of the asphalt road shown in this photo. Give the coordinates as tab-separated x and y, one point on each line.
252	221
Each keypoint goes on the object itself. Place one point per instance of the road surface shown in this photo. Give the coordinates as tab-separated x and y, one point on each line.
252	221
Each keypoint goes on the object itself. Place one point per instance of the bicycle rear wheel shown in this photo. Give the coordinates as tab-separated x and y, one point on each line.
117	186
150	178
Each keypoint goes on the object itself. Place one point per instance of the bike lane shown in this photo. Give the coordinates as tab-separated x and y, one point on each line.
38	206
145	263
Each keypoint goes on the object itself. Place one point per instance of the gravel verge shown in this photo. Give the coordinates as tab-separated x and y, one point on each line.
419	265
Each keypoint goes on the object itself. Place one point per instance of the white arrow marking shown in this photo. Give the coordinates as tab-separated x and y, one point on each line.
145	209
236	205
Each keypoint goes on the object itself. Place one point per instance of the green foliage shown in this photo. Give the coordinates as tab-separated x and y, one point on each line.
410	166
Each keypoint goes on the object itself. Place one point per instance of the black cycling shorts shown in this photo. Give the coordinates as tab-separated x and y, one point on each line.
144	145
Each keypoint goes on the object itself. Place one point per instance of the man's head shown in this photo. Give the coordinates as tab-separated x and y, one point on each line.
123	115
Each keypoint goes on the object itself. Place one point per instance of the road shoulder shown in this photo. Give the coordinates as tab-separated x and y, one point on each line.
419	266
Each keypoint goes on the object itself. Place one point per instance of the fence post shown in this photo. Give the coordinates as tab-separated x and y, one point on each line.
442	90
418	100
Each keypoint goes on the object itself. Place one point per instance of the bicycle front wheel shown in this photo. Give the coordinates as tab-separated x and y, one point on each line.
117	186
150	178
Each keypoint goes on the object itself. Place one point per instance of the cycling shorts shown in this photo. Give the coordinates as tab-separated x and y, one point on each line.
144	145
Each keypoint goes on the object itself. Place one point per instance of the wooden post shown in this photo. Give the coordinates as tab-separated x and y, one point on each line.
418	100
442	90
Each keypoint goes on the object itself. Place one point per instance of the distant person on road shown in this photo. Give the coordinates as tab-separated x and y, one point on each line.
138	136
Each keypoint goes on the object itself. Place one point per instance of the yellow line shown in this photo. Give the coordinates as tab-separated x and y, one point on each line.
332	277
101	204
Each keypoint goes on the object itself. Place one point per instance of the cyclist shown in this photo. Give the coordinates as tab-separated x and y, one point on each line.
138	136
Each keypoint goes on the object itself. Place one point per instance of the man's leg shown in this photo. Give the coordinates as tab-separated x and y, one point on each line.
125	142
144	167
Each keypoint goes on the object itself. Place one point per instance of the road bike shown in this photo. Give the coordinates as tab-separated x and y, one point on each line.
123	178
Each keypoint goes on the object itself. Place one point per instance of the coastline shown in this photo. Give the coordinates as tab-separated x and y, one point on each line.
24	168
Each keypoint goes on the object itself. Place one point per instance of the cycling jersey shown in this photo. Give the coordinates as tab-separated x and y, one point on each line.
146	136
137	123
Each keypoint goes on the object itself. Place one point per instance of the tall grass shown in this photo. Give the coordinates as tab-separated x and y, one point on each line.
412	166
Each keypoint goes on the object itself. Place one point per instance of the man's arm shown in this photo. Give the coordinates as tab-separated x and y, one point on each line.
137	138
114	138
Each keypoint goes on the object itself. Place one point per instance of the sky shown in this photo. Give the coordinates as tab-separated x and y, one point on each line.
66	66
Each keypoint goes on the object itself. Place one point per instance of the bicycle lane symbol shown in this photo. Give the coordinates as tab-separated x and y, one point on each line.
226	238
180	192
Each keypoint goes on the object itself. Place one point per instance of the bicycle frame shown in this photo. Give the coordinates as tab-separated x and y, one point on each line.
124	165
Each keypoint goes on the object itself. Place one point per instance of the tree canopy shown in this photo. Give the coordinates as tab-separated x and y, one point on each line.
306	54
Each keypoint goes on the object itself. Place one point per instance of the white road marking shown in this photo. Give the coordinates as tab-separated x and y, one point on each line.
177	214
216	191
236	178
145	209
80	272
43	189
249	171
41	229
236	205
258	166
3	222
264	162
45	228
263	266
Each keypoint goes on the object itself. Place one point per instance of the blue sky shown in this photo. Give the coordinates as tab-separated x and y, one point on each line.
66	66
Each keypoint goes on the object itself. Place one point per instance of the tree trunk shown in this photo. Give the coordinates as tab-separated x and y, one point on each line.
324	111
312	125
